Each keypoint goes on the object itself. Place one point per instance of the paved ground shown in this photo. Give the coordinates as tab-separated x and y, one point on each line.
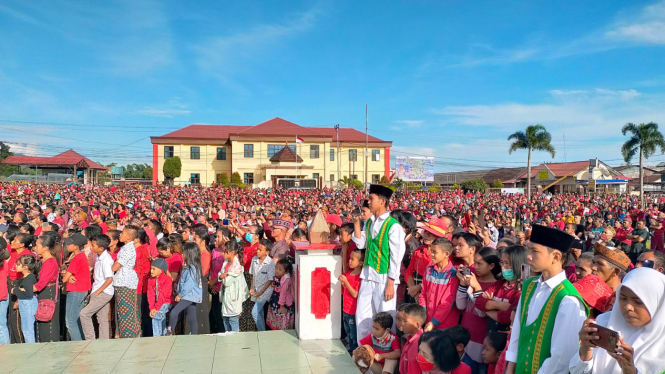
275	352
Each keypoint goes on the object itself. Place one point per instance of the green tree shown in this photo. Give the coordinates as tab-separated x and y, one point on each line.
222	179
398	183
235	178
172	169
384	180
476	185
644	139
147	173
455	186
535	138
358	185
6	170
497	184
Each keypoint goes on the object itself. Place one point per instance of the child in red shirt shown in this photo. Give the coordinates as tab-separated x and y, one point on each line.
160	295
78	283
350	287
384	343
411	322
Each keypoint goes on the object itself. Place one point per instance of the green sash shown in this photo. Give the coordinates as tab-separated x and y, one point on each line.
535	339
377	250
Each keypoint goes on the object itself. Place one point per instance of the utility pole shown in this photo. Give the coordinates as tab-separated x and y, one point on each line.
366	140
339	177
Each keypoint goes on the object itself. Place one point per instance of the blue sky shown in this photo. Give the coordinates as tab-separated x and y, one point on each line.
447	79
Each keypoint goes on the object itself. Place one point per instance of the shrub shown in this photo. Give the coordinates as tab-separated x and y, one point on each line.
475	185
172	169
497	184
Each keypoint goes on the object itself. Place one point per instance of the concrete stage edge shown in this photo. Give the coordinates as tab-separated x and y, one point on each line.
277	352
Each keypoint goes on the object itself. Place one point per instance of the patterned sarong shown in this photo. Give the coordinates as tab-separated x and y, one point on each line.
127	322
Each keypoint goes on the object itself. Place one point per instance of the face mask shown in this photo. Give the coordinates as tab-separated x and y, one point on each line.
238	239
424	364
248	237
508	274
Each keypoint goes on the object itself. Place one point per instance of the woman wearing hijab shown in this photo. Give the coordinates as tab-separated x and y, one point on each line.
638	316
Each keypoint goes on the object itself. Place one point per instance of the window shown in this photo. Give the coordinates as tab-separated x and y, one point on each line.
376	156
249	178
354	176
376	178
353	155
168	151
195	178
313	151
249	150
274	148
332	155
221	153
332	177
195	153
315	175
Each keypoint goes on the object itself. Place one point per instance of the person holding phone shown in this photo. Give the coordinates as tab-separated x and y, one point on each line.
636	324
550	311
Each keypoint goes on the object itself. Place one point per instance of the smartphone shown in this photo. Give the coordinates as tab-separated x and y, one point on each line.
647	264
466	271
481	218
526	272
608	338
225	222
467	218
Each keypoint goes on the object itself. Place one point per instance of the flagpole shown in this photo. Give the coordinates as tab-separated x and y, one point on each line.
296	156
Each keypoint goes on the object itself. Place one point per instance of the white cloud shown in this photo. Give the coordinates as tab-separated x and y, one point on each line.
168	113
25	149
399	151
646	27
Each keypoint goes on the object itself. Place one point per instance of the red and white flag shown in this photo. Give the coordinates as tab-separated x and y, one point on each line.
299	140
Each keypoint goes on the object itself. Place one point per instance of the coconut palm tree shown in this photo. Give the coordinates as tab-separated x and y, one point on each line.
535	138
644	139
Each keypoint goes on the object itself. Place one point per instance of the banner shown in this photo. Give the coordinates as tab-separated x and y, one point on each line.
415	169
543	175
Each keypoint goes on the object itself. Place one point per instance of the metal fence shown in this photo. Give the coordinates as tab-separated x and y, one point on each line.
51	178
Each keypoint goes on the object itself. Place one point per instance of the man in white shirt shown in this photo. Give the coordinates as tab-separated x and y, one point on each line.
384	249
550	312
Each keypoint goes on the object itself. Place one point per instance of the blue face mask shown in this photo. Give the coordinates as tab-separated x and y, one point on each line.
248	237
238	239
508	274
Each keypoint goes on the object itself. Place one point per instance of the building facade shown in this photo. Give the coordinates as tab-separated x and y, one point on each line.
207	151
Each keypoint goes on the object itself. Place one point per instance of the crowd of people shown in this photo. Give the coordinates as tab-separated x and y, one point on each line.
432	282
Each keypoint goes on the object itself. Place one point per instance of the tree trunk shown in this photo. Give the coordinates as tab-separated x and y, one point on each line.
528	178
641	179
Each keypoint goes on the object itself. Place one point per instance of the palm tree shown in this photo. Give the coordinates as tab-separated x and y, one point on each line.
644	139
534	138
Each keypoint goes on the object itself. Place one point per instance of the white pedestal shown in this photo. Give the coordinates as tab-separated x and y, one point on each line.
308	325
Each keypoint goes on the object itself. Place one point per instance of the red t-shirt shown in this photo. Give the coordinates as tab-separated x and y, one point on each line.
391	344
349	306
248	254
81	271
206	260
4	266
174	263
142	268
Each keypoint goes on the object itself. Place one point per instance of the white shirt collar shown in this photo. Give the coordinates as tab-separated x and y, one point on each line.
554	281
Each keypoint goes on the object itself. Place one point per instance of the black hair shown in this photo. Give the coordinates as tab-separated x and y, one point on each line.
443	244
497	340
299	233
31	263
231	246
472	240
266	243
23	217
164	244
491	257
361	253
384	319
506	240
459	334
347	228
287	264
28	228
134	230
102	241
659	259
142	236
415	310
4	251
443	349
28	240
202	231
12	231
192	256
454	222
51	240
517	255
259	231
54	227
156	225
113	234
92	231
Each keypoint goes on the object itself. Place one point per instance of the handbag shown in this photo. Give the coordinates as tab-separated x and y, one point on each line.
46	307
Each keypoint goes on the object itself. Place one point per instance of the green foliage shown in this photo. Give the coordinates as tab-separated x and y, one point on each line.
222	179
535	138
475	185
398	183
455	186
6	170
137	171
436	185
384	180
235	178
172	168
432	189
147	173
645	137
497	184
356	184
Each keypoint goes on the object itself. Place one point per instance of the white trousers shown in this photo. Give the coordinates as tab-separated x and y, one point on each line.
372	300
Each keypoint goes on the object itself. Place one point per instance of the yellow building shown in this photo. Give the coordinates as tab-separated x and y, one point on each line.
258	154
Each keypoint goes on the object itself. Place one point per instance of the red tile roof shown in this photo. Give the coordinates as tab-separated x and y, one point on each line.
558	169
67	158
274	127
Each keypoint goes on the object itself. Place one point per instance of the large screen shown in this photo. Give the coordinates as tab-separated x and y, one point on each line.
414	169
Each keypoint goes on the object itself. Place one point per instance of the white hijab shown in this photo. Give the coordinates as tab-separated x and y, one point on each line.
647	341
